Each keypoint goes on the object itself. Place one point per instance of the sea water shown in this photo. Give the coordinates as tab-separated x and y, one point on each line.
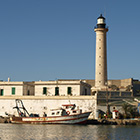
68	132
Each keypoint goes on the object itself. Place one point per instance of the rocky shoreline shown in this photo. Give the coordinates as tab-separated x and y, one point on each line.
115	122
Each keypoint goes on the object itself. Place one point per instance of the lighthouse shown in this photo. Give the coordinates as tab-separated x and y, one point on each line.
101	53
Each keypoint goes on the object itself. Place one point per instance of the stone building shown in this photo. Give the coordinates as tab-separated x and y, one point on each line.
120	84
101	53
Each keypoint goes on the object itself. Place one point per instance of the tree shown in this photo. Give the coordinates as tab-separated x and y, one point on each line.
129	111
125	108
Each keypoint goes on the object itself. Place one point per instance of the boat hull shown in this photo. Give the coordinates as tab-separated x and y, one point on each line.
69	119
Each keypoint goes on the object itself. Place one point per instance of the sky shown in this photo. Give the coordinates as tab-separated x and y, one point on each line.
55	39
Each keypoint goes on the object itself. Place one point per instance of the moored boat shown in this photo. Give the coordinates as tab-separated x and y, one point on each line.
67	114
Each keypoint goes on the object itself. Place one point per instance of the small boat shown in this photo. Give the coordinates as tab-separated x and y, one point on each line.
67	114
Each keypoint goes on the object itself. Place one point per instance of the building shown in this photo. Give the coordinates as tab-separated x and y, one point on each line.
40	96
62	88
47	88
16	88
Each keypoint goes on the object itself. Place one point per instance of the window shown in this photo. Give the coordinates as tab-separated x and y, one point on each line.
69	91
13	91
56	91
28	93
1	92
53	113
44	91
85	91
57	113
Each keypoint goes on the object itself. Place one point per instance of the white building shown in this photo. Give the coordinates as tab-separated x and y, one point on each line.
16	88
41	96
47	88
62	88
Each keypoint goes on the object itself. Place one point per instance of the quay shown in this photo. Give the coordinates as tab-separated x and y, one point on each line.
114	121
96	121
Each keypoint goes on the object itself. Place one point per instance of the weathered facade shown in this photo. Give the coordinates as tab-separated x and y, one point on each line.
16	88
62	88
41	104
40	96
47	88
121	84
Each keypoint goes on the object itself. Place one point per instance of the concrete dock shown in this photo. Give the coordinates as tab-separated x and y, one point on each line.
115	122
95	122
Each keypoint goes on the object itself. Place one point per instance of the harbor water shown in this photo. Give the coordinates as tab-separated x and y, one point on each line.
68	132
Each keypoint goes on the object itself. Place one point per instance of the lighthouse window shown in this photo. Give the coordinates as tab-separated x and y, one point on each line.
99	39
100	56
99	64
99	47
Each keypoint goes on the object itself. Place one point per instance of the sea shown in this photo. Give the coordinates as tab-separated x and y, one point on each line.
68	132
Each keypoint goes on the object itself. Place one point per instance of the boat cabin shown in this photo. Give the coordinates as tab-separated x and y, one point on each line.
67	109
69	106
57	112
71	109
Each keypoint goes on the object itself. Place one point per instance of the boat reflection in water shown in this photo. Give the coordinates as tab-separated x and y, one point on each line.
67	114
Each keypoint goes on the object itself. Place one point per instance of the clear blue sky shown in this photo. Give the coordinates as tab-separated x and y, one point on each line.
54	39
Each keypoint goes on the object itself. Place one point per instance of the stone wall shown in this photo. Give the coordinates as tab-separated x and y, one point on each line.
122	83
114	94
40	104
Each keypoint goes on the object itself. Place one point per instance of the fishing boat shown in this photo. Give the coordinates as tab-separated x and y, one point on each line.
66	114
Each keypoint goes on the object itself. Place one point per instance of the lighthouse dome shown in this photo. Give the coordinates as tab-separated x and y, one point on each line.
101	22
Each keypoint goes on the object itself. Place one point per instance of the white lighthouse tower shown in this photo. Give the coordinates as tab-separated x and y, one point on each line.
101	53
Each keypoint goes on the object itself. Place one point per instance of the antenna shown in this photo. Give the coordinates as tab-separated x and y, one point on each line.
104	10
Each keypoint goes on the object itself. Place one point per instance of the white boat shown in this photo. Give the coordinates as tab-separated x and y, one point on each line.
67	114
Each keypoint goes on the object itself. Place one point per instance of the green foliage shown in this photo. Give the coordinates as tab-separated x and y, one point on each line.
129	111
109	116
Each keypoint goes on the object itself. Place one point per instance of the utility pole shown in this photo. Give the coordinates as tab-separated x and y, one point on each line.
107	105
